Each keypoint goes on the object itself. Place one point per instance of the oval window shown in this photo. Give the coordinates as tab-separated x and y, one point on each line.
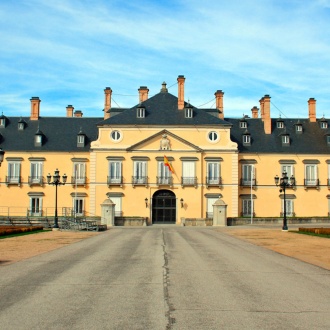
115	135
213	136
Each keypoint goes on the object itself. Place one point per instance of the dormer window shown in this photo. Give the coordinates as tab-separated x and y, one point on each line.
21	124
243	124
2	121
328	140
285	140
280	124
81	139
246	138
188	112
140	112
38	138
299	128
323	124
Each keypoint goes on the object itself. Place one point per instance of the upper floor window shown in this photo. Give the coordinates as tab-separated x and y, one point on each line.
213	176
116	135
243	124
79	173
311	175
14	173
189	173
324	124
140	172
213	136
164	174
36	169
280	124
246	139
140	112
188	112
248	175
115	168
285	139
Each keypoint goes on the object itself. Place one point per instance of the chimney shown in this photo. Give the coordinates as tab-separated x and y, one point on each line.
219	102
254	111
143	93
69	110
312	110
107	102
78	114
35	108
181	80
266	116
262	108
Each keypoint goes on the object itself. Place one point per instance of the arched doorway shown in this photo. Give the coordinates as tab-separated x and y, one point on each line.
163	207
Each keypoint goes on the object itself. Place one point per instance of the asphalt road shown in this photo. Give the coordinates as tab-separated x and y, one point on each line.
163	277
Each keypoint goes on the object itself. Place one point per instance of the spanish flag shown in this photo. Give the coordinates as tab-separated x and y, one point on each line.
167	163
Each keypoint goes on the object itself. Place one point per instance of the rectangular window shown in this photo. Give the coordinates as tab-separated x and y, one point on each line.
288	169
243	124
246	207
285	139
189	112
79	173
164	174
140	172
311	175
246	139
14	169
188	173
118	207
213	173
35	206
115	172
289	207
248	175
36	173
78	206
209	207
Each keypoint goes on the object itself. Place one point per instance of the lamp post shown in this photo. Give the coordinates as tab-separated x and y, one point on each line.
284	182
56	182
2	153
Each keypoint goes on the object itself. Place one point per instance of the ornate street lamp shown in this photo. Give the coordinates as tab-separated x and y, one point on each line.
56	182
284	182
2	154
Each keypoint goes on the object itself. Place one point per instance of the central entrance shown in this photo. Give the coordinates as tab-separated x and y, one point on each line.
163	207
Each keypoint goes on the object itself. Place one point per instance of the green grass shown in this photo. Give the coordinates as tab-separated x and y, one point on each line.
310	234
23	234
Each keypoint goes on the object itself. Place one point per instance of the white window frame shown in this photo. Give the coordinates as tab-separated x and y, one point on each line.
248	174
35	206
115	170
140	172
188	172
285	139
140	112
81	139
298	128
288	169
116	136
324	124
78	205
289	207
311	174
213	136
14	172
164	174
243	124
79	173
247	205
280	124
213	173
209	206
36	170
118	207
188	112
246	139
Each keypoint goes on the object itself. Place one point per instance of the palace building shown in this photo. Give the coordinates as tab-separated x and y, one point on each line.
165	160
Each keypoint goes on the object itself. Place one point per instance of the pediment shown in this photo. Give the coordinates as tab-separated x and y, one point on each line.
164	140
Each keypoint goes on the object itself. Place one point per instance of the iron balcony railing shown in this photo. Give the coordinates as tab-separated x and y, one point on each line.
78	180
161	180
248	182
36	180
311	182
13	180
213	181
139	180
115	181
189	181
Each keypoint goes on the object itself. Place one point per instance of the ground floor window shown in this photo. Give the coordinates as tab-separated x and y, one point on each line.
289	207
78	206
35	206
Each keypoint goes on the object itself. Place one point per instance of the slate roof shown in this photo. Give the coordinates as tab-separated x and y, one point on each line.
60	133
312	140
162	109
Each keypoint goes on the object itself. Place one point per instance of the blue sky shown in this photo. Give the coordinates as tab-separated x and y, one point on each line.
68	51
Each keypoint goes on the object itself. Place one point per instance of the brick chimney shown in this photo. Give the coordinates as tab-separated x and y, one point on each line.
262	108
35	108
181	80
107	102
254	111
219	103
312	110
78	114
266	116
69	110
143	93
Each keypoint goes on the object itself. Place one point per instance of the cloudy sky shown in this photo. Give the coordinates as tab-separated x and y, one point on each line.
68	51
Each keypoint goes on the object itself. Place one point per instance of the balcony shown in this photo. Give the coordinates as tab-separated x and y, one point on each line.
248	183
311	183
213	182
35	180
164	181
78	181
139	181
115	181
13	180
189	181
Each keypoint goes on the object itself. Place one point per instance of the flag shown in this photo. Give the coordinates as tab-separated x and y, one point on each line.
167	163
